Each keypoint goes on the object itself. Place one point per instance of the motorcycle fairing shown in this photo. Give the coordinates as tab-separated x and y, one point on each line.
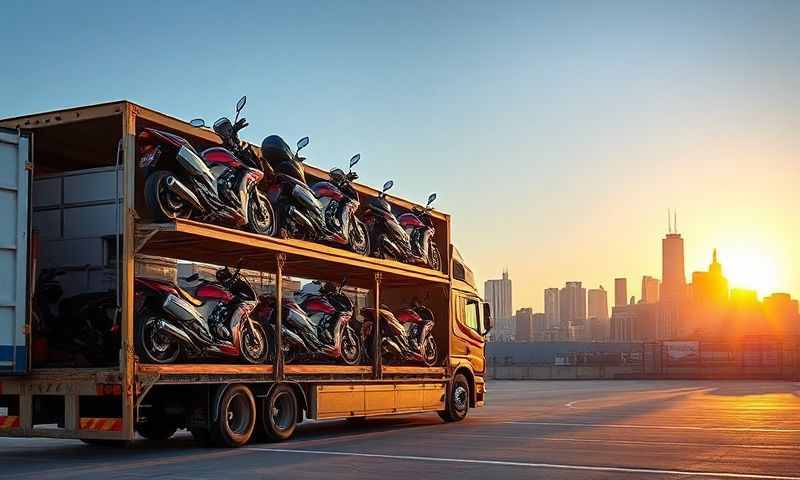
409	220
327	189
211	291
221	156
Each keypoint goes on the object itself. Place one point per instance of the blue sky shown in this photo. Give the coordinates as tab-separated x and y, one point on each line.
556	134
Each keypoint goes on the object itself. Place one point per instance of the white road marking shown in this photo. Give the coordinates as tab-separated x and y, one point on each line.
661	427
628	398
624	442
505	463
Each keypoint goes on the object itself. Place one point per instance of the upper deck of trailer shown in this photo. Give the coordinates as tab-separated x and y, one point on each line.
201	242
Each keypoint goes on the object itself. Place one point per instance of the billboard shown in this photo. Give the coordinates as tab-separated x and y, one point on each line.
683	353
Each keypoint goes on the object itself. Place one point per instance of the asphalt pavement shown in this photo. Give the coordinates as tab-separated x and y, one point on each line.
549	430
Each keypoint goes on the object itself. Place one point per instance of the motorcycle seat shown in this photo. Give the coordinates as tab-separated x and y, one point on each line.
190	298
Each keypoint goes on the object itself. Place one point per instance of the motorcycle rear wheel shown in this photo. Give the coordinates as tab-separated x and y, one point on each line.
152	347
351	346
261	215
164	204
254	347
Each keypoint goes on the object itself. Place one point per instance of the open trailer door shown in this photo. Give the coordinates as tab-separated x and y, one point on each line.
15	158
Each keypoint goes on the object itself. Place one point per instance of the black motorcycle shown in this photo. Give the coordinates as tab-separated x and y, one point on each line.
218	186
405	337
212	320
81	329
408	238
317	324
324	212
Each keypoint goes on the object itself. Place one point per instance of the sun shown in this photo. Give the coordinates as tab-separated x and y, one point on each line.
751	268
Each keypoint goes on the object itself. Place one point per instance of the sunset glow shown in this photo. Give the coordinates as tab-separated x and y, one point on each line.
751	268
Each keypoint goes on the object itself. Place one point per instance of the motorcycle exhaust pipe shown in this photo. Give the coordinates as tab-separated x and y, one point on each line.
182	191
300	218
168	329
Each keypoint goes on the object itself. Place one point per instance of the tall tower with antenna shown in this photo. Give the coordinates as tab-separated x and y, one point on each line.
673	275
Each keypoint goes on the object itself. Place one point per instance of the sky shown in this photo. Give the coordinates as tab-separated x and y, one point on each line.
556	134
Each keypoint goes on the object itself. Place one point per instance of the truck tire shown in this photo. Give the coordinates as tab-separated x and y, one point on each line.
457	400
236	417
279	413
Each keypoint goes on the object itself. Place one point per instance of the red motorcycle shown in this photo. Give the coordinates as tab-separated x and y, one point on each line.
213	320
218	185
405	337
316	324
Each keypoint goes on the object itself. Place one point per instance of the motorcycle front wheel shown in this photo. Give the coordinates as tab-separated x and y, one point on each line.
164	204
359	237
430	351
151	346
254	346
260	214
351	346
434	257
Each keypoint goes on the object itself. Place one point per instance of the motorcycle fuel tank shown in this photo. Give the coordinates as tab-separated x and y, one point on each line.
327	190
221	156
409	220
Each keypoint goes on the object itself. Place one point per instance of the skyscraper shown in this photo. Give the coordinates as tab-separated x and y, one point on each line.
572	303
673	284
551	307
498	294
598	303
620	292
524	325
650	289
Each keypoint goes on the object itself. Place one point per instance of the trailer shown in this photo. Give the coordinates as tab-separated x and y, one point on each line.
71	194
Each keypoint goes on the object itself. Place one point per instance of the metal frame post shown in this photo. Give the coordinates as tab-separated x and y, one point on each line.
377	361
128	259
278	360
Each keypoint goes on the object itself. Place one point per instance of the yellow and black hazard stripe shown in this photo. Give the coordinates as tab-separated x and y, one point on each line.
11	421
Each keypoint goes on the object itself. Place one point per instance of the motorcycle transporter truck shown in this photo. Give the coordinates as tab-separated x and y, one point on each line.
72	202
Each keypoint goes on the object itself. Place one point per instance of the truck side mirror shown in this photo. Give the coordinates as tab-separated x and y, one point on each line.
487	318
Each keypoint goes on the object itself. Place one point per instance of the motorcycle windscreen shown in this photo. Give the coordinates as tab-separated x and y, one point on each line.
15	154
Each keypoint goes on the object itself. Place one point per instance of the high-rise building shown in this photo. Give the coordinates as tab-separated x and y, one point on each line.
572	302
634	323
498	294
620	292
673	284
711	287
540	326
551	307
524	325
598	303
650	289
781	314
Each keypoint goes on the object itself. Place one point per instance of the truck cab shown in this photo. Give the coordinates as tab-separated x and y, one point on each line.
471	323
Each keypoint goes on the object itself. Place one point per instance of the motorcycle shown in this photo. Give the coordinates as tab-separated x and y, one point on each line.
404	337
218	185
325	212
82	329
408	238
212	320
316	324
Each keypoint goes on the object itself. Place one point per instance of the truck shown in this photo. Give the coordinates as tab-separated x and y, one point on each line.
71	200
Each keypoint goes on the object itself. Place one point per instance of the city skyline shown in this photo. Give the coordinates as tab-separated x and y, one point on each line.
736	270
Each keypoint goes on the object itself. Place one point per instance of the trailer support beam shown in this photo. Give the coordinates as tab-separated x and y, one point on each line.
377	361
278	360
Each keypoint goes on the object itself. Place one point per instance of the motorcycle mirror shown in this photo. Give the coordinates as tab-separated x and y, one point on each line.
431	198
302	143
241	103
354	159
388	185
197	122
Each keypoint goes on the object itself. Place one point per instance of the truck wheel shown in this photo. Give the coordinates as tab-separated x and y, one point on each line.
279	413
236	417
161	429
457	401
